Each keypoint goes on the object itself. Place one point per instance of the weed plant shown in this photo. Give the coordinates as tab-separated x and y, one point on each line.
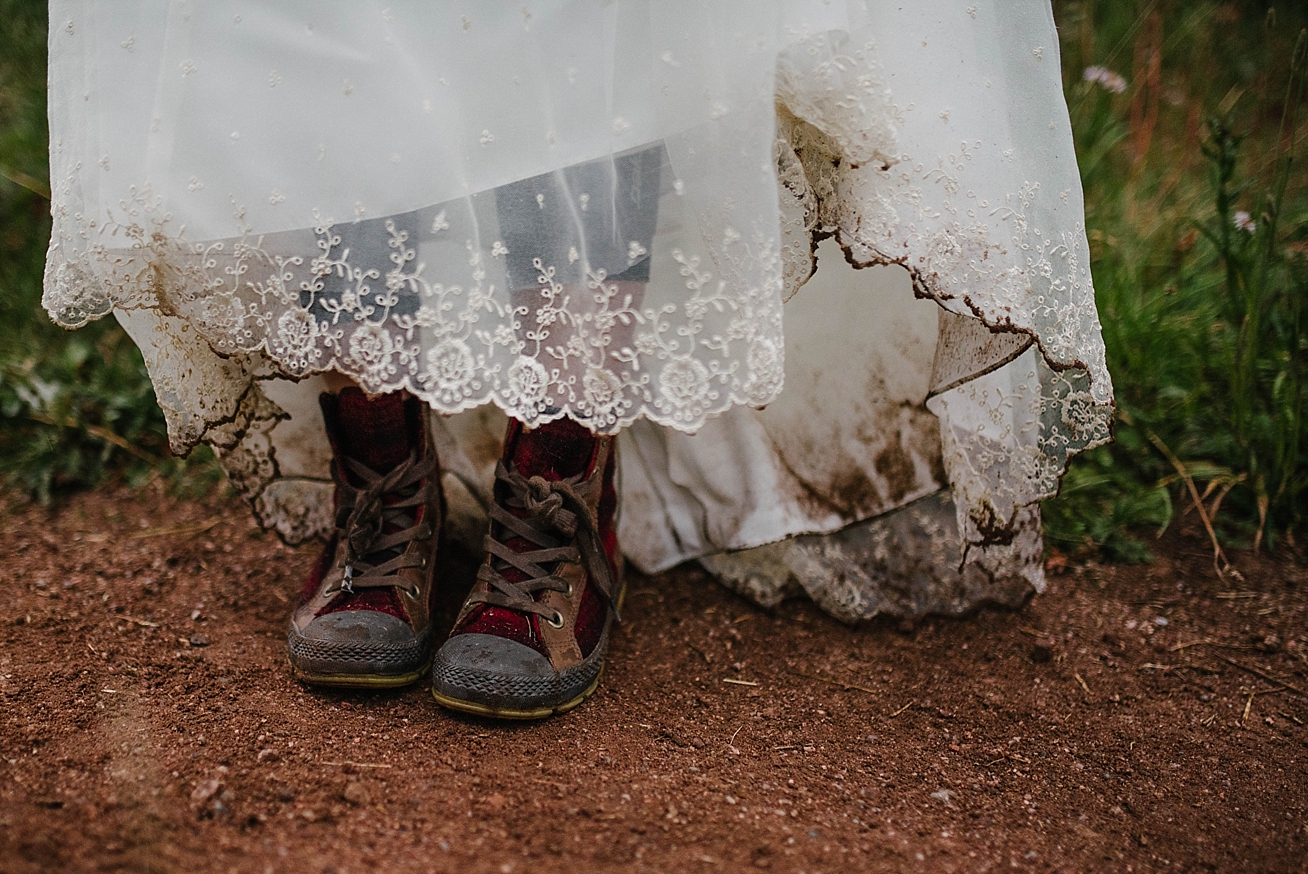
1186	120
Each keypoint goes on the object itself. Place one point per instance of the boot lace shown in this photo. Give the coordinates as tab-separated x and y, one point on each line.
557	520
377	520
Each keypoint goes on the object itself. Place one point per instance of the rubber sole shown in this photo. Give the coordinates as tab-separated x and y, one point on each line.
476	709
361	681
526	715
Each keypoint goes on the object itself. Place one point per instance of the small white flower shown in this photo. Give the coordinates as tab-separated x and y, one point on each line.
372	347
684	385
1105	78
527	382
450	370
1245	222
294	342
440	223
603	393
767	369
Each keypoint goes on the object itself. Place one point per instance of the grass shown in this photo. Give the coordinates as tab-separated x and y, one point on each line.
1203	307
1198	226
75	408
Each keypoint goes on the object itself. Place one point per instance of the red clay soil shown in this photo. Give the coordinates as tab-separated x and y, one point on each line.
1129	719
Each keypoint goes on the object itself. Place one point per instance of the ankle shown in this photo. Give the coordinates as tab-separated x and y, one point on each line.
556	450
379	431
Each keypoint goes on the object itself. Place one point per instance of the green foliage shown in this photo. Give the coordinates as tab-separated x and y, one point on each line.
74	407
1198	224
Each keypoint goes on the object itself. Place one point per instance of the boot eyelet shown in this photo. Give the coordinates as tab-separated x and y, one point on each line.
413	592
567	593
555	621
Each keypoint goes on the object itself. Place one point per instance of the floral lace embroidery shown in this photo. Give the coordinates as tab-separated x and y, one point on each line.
592	350
1004	447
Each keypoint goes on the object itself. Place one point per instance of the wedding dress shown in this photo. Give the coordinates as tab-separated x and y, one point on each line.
642	214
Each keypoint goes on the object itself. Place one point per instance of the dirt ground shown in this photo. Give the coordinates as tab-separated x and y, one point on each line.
1129	719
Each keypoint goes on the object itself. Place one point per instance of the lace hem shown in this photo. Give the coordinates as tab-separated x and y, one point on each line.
592	349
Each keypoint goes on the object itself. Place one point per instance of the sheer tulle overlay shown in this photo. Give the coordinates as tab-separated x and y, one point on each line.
596	210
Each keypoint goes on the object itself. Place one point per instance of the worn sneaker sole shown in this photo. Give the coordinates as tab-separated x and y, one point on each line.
361	681
359	666
458	687
476	709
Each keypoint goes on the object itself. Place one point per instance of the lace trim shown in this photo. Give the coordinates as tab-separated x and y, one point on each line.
591	351
1007	436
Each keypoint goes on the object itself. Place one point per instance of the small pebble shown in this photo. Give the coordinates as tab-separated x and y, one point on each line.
199	640
205	790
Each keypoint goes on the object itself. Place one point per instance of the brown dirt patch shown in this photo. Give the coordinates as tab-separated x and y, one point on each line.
148	722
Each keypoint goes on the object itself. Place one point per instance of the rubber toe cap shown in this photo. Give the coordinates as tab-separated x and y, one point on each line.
362	628
491	655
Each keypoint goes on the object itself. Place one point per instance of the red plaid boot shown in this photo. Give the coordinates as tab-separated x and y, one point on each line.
364	615
531	638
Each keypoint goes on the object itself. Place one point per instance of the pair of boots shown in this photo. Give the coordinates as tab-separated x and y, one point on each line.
531	637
